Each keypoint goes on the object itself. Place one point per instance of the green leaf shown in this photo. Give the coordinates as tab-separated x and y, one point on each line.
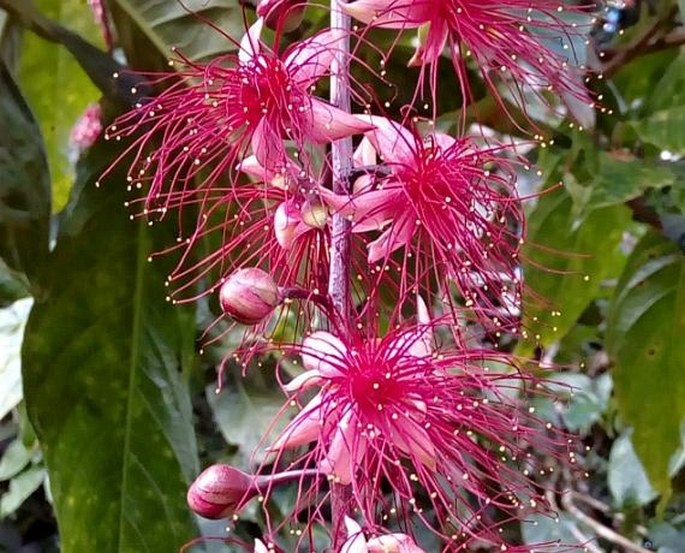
664	129
244	411
21	488
58	89
565	262
670	90
622	178
628	482
24	183
644	337
102	381
181	25
15	458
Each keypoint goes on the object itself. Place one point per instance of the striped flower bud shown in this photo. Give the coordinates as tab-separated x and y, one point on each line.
249	296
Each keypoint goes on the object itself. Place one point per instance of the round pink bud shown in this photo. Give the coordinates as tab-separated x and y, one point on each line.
249	296
220	491
287	13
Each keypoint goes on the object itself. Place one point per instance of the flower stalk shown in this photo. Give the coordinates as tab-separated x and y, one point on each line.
341	160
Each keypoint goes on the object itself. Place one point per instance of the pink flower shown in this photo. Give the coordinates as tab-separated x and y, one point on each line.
510	41
442	429
213	114
451	205
386	543
87	129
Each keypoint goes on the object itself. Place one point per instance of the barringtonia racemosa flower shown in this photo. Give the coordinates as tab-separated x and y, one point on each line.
522	44
411	428
191	136
451	205
384	543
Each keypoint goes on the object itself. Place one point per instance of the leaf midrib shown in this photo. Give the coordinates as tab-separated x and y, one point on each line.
139	285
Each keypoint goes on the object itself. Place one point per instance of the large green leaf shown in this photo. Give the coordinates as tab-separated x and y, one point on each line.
565	261
645	329
102	381
664	129
168	24
24	182
57	88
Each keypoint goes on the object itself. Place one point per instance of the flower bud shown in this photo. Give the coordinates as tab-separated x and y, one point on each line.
314	214
286	221
249	296
287	13
219	491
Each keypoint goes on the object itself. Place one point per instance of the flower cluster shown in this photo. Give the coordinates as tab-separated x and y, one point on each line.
380	260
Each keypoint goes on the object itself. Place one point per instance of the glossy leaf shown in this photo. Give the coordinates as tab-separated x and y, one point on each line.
565	261
24	182
645	329
101	367
183	25
58	89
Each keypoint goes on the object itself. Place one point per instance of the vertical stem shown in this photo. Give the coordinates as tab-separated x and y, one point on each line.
341	158
339	278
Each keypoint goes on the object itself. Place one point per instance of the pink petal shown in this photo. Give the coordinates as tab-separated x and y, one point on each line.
356	542
365	154
413	440
393	142
267	146
345	451
443	141
368	210
393	543
310	59
249	45
398	235
304	428
303	381
391	14
324	353
324	123
424	345
286	222
430	49
259	547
